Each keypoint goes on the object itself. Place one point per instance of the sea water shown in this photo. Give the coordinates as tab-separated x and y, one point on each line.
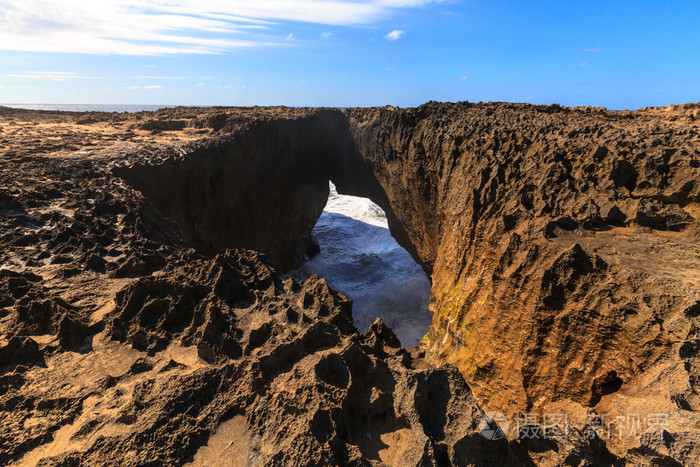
361	259
88	107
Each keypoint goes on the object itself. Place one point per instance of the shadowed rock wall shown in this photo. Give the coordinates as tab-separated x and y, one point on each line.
261	184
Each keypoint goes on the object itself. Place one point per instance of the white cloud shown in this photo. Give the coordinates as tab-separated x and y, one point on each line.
154	86
53	75
200	84
175	77
290	37
157	27
395	35
463	78
582	64
326	35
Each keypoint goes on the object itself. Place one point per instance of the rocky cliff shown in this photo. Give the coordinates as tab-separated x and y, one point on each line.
137	326
563	248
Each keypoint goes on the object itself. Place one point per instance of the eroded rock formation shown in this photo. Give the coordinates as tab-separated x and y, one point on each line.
120	345
563	246
137	326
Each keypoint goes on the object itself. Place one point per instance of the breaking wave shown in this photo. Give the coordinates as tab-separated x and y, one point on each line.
361	259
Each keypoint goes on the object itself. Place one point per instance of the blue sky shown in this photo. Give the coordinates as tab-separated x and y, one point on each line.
617	54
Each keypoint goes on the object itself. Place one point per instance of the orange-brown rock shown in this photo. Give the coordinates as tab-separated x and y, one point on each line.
563	247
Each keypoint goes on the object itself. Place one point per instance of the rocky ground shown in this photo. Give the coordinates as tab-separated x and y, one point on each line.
143	320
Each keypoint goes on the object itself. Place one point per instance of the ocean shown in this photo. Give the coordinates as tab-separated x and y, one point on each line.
88	107
361	259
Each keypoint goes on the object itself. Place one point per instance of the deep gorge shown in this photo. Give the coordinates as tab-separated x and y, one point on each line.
506	219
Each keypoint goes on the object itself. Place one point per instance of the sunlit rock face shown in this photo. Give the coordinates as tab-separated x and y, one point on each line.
562	246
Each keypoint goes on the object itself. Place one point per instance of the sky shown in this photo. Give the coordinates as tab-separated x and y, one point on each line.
617	54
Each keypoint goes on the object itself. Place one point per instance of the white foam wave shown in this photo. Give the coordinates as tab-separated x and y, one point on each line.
361	259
